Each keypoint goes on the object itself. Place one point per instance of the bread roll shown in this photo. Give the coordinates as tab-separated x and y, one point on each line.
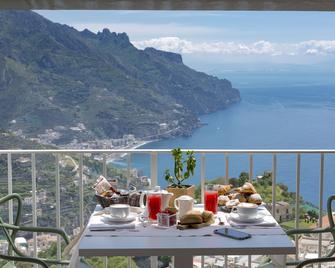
255	199
222	200
248	188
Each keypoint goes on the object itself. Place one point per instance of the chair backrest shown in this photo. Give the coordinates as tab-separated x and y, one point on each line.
330	211
10	235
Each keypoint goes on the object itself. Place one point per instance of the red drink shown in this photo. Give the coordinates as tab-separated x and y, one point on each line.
154	205
211	201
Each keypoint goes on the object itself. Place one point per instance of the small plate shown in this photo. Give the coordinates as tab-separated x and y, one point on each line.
235	217
110	218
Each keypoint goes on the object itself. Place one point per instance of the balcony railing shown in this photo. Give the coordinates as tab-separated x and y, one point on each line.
154	155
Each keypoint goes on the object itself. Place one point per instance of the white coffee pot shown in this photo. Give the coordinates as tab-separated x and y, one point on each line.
184	204
165	197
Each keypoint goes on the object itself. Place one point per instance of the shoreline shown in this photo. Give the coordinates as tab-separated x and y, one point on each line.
114	158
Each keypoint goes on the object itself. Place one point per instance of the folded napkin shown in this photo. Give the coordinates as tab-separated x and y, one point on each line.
110	227
265	222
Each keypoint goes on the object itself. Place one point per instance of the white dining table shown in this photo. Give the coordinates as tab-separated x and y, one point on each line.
148	240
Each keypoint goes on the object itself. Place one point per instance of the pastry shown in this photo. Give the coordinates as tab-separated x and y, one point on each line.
224	189
232	203
207	216
240	197
247	188
192	217
222	200
255	199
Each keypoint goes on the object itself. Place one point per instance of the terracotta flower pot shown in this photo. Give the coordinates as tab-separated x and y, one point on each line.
179	192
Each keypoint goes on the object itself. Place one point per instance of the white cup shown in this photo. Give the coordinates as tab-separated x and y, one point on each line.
119	210
184	204
246	210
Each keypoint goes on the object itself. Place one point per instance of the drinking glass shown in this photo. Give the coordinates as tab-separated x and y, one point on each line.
154	202
211	198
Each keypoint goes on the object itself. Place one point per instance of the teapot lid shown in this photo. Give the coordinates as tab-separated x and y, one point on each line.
185	197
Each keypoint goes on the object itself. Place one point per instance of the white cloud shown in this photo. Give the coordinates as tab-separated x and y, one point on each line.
262	47
140	29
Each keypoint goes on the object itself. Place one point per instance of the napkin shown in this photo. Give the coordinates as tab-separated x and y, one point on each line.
110	227
265	222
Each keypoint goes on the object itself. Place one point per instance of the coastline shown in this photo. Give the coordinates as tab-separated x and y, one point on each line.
115	158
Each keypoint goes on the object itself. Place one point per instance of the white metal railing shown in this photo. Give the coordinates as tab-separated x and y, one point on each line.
154	153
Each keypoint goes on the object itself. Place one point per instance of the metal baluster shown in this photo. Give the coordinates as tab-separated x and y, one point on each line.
202	177
297	203
34	205
153	176
251	166
251	172
202	191
154	168
104	173
10	187
322	165
81	192
59	249
104	166
226	182
274	182
128	168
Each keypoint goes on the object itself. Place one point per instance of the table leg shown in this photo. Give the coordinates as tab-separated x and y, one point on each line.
183	261
279	260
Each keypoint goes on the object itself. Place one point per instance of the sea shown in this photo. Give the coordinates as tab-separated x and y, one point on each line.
277	111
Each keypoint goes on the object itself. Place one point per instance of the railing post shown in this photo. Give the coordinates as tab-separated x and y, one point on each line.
251	174
202	177
226	182
59	249
10	187
34	206
128	168
81	192
322	165
154	181
297	203
104	165
251	166
153	169
274	182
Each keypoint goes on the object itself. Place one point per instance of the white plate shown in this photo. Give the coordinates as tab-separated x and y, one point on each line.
235	217
110	218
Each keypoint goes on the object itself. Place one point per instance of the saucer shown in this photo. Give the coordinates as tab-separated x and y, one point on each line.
107	217
236	217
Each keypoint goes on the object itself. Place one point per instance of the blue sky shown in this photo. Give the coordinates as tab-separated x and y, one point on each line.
305	38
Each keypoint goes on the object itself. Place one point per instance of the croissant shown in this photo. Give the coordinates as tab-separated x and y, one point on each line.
224	189
248	188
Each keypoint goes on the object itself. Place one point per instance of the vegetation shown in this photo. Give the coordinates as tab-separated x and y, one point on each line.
179	175
53	75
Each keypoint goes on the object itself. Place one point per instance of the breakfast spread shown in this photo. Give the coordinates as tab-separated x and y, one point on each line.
240	202
230	197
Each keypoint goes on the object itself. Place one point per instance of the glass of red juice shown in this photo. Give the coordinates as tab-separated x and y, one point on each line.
211	198
154	202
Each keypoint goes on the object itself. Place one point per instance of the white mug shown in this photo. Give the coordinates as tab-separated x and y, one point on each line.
246	210
184	204
119	210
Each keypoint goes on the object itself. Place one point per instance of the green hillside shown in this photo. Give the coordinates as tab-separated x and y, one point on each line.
53	75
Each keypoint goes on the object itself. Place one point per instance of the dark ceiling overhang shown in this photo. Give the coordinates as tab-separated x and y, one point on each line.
294	5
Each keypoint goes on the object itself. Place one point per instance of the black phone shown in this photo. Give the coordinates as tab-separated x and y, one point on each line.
232	233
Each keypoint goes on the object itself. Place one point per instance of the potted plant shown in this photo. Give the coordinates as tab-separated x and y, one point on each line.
176	182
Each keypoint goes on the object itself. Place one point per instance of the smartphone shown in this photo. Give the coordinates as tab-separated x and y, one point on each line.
232	233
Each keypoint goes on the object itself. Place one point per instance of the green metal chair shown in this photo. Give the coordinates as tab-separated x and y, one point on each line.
10	232
329	229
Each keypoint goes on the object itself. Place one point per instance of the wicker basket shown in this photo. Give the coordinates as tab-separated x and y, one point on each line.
132	199
179	192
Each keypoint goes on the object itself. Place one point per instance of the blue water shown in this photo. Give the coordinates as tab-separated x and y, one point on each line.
286	112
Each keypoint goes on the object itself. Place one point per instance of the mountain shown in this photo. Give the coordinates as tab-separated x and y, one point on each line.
55	77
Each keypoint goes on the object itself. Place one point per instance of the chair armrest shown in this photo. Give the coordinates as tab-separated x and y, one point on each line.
38	230
24	259
310	231
320	260
46	230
